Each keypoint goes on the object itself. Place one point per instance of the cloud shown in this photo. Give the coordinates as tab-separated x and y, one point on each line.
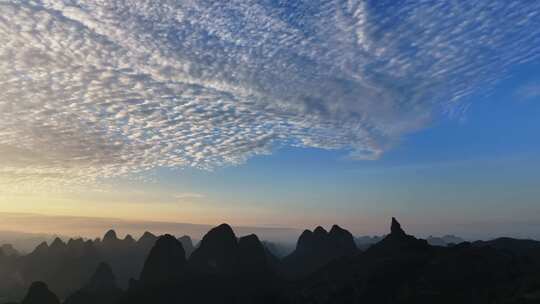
528	91
188	195
99	89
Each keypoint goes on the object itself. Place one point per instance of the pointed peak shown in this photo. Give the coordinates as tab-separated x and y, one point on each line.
397	243
58	243
305	240
57	240
395	228
320	231
129	238
337	229
306	233
110	236
41	247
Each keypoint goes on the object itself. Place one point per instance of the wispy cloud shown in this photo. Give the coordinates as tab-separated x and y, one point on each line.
92	89
528	91
188	195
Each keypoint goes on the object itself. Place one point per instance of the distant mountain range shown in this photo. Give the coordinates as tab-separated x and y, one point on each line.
65	266
325	267
54	225
364	242
25	242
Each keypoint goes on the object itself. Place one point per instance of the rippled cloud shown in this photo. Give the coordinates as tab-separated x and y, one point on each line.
98	89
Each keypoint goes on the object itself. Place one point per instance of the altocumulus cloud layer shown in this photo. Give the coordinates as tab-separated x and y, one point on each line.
108	88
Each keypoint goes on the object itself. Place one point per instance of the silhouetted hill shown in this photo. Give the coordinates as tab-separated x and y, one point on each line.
528	250
252	258
22	241
65	267
39	293
166	262
223	269
101	289
398	243
316	249
403	269
217	252
110	238
126	255
326	267
68	266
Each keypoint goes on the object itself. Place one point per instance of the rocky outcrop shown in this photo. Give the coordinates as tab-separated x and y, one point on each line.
398	243
395	228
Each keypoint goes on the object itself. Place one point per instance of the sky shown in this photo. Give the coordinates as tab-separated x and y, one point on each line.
274	113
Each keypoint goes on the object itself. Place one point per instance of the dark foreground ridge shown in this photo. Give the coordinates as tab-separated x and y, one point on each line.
326	267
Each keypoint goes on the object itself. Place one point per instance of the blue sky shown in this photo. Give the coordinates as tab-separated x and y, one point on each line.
278	113
483	166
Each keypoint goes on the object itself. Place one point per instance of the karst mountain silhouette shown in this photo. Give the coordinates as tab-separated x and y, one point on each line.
325	267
